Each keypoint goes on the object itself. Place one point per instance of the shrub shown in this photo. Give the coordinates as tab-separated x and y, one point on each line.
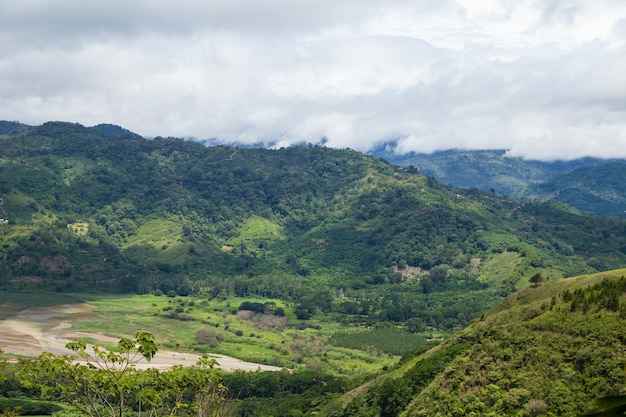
29	407
535	407
208	337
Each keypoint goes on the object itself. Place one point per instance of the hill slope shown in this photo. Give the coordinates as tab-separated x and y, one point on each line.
543	351
331	230
487	169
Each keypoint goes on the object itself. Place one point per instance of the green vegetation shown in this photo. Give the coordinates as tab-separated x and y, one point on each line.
328	262
599	189
382	339
547	350
28	407
238	327
102	383
587	184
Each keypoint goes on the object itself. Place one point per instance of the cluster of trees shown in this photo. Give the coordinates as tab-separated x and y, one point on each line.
381	338
262	308
392	396
283	393
107	383
605	295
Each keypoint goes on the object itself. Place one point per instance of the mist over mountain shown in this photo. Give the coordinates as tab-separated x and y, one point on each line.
337	236
175	205
598	192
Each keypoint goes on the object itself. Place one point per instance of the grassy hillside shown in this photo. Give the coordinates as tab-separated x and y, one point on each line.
546	350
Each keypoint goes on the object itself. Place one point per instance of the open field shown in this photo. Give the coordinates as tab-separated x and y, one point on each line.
184	327
33	330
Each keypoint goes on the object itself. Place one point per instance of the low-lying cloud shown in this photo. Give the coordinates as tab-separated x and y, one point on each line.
543	79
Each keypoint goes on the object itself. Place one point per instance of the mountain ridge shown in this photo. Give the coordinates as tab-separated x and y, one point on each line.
337	235
119	212
489	170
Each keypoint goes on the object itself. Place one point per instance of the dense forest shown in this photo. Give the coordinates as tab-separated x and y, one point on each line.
332	235
553	349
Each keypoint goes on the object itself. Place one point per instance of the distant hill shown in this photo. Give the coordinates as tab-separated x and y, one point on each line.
599	192
485	169
548	350
114	130
7	128
599	189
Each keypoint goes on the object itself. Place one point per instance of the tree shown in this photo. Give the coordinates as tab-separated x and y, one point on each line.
102	383
536	279
393	396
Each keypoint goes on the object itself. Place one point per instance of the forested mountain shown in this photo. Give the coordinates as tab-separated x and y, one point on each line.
337	236
600	189
548	350
7	127
334	230
587	184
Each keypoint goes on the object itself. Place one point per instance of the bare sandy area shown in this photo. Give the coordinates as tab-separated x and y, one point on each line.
35	330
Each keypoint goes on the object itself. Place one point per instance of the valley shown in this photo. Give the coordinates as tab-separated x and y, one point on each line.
34	330
367	289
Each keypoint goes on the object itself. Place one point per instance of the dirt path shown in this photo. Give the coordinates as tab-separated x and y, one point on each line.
35	330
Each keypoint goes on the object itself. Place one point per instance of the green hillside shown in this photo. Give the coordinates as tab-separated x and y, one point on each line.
487	169
332	231
360	259
600	189
587	184
547	350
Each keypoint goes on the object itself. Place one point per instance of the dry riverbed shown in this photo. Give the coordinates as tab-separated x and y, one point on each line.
35	330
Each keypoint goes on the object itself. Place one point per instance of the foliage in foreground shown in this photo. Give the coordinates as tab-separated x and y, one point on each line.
104	383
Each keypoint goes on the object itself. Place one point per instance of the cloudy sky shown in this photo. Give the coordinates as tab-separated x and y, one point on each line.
543	78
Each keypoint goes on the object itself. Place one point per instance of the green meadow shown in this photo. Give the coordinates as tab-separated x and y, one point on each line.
196	324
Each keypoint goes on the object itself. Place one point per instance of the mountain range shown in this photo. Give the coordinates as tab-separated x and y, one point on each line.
102	207
587	184
342	235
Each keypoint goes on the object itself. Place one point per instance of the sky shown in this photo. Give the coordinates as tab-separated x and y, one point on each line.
544	79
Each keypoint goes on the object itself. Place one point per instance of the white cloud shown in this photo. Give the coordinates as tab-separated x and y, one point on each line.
541	78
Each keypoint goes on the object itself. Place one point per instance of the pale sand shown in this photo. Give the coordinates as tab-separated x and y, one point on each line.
36	330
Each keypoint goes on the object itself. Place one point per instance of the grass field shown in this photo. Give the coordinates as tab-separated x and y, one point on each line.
216	326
